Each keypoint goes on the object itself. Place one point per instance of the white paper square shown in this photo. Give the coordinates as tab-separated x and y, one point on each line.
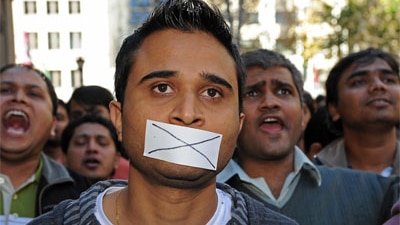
182	145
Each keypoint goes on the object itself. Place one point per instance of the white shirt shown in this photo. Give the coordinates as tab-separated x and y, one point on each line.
221	216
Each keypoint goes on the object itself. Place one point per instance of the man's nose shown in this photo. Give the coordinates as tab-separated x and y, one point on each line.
187	111
269	101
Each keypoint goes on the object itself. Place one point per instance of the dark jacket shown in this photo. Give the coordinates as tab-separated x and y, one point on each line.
344	197
245	210
334	155
56	184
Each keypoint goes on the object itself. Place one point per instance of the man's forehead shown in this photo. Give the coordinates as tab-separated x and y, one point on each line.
97	129
22	76
275	73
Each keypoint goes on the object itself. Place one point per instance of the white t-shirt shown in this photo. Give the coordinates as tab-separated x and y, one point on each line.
221	216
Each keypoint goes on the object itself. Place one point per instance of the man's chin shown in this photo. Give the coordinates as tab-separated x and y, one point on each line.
186	178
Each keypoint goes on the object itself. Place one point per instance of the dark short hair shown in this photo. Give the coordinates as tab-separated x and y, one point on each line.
88	118
92	95
183	15
309	101
50	87
361	57
266	59
62	103
319	130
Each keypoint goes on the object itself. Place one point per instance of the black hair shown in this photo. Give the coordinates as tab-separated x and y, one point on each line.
319	130
50	87
88	118
309	101
92	96
265	59
183	15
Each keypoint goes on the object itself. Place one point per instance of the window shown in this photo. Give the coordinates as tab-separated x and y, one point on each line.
52	7
140	3
138	17
55	77
74	7
30	7
32	39
54	40
75	40
253	18
76	78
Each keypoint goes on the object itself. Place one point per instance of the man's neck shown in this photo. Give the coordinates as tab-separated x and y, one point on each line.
18	171
145	203
274	172
370	151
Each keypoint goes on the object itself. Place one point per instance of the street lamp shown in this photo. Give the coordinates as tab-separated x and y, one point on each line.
80	61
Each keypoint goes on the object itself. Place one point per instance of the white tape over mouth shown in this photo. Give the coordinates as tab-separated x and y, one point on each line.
182	145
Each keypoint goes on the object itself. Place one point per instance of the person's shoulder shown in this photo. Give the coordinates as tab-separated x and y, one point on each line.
82	208
55	216
260	214
357	177
254	212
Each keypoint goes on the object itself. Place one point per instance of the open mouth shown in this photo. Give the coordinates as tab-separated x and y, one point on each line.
91	163
272	124
16	122
379	102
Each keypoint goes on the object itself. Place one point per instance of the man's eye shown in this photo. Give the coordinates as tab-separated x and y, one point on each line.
80	141
162	88
5	90
390	80
103	142
284	91
357	82
212	93
250	94
35	94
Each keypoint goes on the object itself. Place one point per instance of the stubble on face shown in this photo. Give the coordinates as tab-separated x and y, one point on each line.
274	115
368	97
172	87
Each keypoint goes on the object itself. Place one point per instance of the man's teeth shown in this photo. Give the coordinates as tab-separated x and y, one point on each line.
270	120
16	113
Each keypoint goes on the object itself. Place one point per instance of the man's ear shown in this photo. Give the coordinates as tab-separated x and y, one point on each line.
333	112
53	127
116	162
241	120
116	117
303	121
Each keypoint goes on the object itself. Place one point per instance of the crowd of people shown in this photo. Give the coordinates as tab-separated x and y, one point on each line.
198	133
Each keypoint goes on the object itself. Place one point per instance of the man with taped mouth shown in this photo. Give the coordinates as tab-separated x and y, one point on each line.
178	84
30	182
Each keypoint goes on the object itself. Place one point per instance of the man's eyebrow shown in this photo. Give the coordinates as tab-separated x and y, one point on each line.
366	72
158	74
255	86
216	80
280	83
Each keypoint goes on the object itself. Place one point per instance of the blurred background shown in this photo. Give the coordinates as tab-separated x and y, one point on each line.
75	41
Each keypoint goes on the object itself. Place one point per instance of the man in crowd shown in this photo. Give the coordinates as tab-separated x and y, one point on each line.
90	144
30	182
178	83
363	99
53	145
271	168
94	99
